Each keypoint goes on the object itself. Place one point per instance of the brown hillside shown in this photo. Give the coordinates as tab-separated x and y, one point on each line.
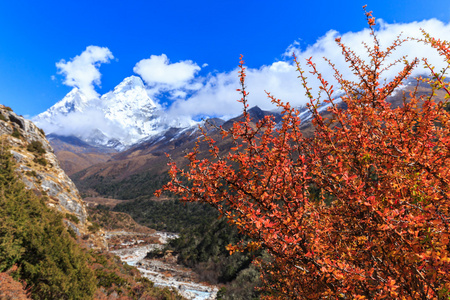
148	159
74	155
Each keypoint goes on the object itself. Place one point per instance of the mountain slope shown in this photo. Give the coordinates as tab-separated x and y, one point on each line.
75	155
46	238
34	242
140	170
39	168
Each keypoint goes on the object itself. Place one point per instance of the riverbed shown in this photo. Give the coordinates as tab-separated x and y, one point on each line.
162	271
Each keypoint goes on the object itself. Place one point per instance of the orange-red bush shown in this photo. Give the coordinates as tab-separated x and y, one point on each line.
360	210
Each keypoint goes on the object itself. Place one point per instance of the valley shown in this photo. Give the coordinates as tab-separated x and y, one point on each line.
195	262
122	181
212	150
132	248
180	247
132	242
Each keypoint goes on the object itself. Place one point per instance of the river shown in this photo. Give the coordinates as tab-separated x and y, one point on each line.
163	272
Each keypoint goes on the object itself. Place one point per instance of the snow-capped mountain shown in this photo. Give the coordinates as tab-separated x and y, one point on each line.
118	119
74	101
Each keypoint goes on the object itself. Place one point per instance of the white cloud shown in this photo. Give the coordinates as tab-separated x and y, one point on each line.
218	95
178	94
158	71
82	70
87	124
215	94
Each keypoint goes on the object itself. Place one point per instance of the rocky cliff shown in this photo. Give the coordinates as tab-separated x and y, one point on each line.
40	170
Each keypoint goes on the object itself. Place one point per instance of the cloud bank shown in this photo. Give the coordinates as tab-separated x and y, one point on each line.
82	124
217	96
82	70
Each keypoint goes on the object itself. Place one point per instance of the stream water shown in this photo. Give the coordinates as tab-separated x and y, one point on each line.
163	272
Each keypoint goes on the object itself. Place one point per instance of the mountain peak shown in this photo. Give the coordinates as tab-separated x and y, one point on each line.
129	83
117	119
75	100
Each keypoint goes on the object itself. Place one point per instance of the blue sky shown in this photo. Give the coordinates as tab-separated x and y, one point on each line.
207	36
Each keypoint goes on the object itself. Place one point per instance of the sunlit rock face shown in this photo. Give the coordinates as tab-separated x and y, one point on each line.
40	170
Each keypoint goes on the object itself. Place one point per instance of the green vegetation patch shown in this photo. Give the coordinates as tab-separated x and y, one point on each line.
170	215
34	240
72	218
36	147
40	160
94	227
16	133
133	187
203	248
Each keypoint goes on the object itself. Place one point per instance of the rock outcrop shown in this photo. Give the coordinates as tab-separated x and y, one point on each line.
40	170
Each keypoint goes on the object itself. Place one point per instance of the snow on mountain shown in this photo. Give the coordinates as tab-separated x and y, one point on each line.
74	101
118	119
